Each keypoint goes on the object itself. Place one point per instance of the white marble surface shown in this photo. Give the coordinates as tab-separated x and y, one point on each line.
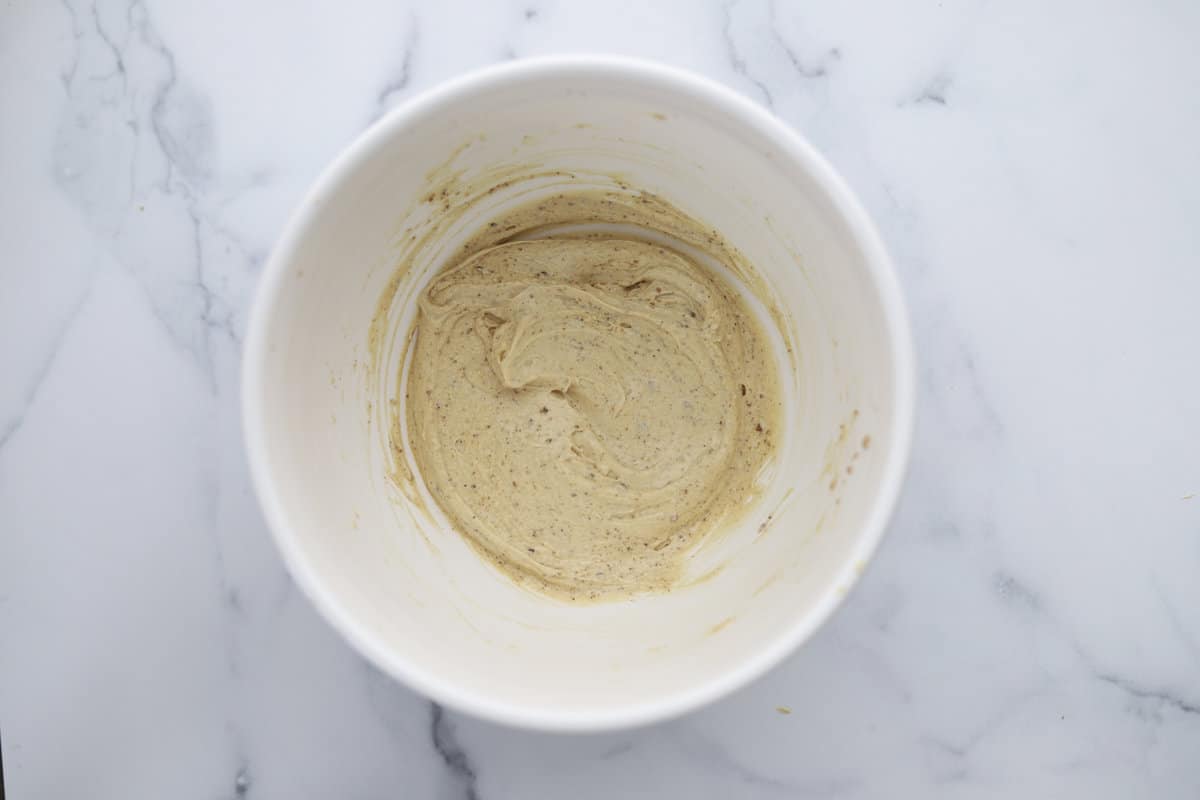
1031	626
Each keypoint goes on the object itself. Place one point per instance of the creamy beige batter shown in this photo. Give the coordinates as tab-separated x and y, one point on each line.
587	410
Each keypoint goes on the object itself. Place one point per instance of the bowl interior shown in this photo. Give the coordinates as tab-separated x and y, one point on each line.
319	377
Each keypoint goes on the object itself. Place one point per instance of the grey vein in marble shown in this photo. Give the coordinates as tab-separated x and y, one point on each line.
181	129
933	93
398	85
16	417
736	60
805	69
453	756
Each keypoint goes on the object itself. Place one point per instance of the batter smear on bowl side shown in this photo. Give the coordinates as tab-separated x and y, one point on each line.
587	409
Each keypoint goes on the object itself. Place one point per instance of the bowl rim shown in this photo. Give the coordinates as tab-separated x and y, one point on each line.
741	111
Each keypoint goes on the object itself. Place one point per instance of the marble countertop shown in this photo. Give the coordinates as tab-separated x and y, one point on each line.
1031	626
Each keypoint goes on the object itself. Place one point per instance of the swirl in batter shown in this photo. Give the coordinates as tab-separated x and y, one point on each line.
586	411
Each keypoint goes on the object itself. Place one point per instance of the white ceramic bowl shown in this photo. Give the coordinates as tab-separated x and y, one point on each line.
419	603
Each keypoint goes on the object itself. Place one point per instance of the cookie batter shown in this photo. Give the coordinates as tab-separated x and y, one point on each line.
586	411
